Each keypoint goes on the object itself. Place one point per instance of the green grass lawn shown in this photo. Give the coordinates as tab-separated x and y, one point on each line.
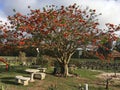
87	73
52	82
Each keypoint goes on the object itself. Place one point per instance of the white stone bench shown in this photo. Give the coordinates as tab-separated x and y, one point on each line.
22	80
39	75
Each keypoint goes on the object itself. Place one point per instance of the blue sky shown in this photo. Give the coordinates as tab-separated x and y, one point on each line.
110	9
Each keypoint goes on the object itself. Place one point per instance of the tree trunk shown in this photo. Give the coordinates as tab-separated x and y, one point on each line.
107	84
64	61
66	73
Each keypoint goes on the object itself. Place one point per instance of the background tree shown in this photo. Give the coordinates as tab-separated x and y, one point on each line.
108	43
107	46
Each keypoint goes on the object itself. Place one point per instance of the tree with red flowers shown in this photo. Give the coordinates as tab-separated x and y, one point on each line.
61	30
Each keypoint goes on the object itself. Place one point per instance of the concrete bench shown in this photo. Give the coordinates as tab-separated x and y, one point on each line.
22	80
39	75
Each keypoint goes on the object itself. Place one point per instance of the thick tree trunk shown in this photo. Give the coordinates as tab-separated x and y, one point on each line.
66	72
64	61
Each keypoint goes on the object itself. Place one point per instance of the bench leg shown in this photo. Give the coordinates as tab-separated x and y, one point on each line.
31	77
19	81
25	83
43	70
42	77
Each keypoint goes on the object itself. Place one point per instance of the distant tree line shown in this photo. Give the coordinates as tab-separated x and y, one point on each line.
31	51
14	51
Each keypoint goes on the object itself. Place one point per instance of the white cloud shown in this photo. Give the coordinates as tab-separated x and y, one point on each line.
18	5
3	16
108	8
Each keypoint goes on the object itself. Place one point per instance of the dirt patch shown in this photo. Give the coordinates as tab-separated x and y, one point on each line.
37	86
105	75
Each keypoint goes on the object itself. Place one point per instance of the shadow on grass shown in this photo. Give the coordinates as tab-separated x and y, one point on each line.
117	85
2	70
8	80
20	71
16	69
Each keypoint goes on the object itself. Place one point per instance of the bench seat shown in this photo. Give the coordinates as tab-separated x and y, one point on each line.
22	80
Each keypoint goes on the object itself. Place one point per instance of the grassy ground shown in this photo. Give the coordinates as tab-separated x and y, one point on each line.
51	82
7	80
